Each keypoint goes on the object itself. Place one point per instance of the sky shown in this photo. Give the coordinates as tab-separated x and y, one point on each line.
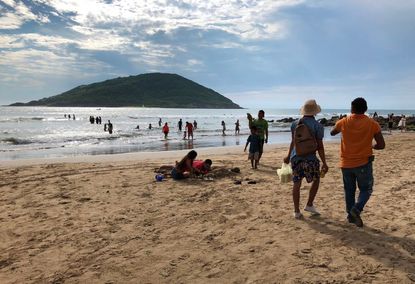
259	53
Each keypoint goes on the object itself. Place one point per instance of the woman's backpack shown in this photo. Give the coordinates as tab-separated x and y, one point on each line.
304	141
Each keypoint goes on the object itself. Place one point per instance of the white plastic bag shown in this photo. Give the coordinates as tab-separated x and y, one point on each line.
285	173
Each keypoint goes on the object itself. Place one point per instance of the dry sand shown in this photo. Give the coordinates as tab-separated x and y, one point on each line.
110	222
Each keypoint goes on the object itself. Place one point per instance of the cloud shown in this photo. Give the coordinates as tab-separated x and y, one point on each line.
249	20
17	14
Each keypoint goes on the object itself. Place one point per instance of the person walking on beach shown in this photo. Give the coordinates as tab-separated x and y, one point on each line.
356	157
180	125
166	130
223	128
194	124
254	144
160	122
237	125
262	126
402	123
306	165
390	122
149	126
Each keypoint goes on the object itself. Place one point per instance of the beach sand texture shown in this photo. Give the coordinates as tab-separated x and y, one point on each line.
110	222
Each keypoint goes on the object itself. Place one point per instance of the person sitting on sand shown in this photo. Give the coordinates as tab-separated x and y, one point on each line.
203	166
184	168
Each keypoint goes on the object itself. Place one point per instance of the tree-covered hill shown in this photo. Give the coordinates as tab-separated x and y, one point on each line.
149	90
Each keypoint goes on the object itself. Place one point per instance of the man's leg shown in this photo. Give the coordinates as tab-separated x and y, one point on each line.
365	182
261	149
349	182
313	192
296	196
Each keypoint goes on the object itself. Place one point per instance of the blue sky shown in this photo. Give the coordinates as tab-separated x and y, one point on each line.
259	53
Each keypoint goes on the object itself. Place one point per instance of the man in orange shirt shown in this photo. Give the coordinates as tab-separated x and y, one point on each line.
358	132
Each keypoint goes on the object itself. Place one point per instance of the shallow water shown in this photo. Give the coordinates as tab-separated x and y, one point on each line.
41	132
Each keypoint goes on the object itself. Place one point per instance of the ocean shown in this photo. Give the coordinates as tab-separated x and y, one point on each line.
45	132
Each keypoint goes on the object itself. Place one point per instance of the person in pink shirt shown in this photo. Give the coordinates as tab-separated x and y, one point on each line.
202	166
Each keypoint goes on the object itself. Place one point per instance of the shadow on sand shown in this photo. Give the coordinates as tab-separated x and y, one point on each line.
394	252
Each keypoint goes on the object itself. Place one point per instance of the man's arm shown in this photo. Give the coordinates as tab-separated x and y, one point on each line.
287	158
380	141
266	134
322	155
334	131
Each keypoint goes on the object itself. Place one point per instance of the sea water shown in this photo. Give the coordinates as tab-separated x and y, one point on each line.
43	132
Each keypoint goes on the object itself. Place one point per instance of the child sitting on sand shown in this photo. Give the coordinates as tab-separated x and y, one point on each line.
254	146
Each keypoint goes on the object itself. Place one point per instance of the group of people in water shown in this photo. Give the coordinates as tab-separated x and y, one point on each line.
68	116
356	158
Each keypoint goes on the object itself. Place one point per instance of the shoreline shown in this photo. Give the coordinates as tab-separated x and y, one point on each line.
136	156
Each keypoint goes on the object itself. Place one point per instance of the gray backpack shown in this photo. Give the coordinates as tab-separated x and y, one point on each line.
304	141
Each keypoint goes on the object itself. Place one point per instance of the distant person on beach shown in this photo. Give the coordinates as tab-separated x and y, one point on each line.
254	145
262	126
166	130
184	168
64	115
390	122
356	157
110	127
91	119
180	125
149	126
237	125
189	129
69	116
223	128
307	165
402	123
160	122
137	127
73	116
375	115
194	124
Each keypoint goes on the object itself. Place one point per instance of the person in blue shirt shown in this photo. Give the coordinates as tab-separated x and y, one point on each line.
308	166
254	140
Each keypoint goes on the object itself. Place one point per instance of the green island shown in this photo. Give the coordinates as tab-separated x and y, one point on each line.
145	90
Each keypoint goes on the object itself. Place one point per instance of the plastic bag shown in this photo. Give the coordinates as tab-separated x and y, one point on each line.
285	173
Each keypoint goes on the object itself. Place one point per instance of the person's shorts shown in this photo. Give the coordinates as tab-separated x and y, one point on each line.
176	175
308	169
253	156
390	124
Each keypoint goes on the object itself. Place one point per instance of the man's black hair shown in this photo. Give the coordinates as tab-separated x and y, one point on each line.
359	106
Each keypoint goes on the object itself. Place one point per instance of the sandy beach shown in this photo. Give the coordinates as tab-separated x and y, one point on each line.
106	220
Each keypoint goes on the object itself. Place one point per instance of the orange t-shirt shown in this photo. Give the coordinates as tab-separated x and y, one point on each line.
357	131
